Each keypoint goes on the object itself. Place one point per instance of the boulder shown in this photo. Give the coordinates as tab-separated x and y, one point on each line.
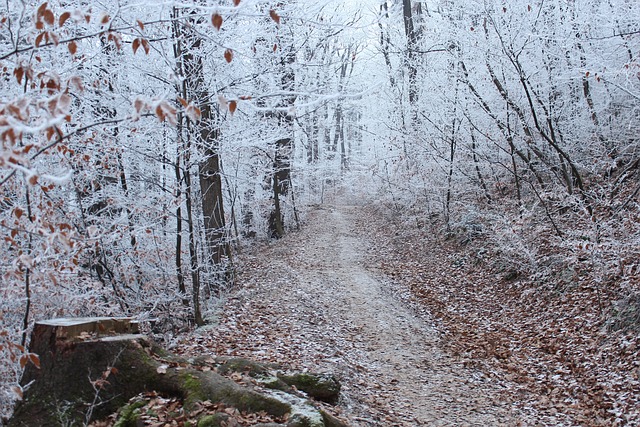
323	387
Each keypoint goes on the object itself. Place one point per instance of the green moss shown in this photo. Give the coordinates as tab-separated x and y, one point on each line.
273	383
243	365
305	420
193	389
129	414
214	420
250	401
319	386
159	351
137	358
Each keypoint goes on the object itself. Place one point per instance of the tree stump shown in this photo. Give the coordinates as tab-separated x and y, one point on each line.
91	367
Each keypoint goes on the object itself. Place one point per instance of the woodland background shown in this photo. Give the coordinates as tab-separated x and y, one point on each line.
144	144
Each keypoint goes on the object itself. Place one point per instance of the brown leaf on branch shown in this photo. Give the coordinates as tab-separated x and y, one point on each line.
193	113
18	391
135	45
191	110
160	113
166	112
39	39
116	38
41	9
228	55
50	132
63	18
274	15
33	358
19	73
216	21
138	104
48	17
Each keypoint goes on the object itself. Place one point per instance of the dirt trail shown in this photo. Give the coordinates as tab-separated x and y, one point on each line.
312	302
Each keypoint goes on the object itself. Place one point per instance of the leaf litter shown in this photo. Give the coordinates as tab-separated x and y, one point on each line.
317	301
420	335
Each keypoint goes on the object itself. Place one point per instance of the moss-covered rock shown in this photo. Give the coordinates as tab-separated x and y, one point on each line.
250	367
330	420
322	387
198	386
299	420
303	413
274	383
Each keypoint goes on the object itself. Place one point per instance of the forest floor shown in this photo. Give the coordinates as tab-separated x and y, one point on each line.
421	333
318	300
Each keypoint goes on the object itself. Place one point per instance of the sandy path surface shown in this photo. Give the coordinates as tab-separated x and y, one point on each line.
313	301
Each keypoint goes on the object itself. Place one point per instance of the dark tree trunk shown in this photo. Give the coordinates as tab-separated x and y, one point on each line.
206	138
281	180
412	45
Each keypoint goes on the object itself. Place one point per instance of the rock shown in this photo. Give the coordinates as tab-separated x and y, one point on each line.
237	364
330	420
215	420
323	387
299	420
263	373
303	413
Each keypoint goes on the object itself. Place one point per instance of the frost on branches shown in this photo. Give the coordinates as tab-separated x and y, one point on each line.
106	125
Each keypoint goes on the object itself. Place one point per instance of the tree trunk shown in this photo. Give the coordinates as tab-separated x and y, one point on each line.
410	57
206	139
385	43
476	163
179	272
281	179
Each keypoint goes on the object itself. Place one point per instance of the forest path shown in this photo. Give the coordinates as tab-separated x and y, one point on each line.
312	300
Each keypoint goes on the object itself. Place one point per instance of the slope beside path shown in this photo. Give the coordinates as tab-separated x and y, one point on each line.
313	301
